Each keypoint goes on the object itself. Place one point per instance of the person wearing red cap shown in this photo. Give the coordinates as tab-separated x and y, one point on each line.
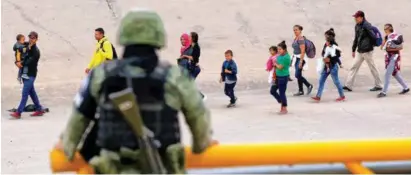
28	84
364	43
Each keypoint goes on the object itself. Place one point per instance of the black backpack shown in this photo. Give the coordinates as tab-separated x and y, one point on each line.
112	47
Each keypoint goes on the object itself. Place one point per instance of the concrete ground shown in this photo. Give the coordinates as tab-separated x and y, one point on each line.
249	28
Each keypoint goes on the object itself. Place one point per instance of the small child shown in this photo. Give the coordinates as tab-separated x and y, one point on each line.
20	49
229	77
270	65
393	41
332	51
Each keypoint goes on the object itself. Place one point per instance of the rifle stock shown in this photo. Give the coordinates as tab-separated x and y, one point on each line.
126	102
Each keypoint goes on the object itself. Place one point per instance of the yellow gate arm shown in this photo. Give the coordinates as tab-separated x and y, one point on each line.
274	154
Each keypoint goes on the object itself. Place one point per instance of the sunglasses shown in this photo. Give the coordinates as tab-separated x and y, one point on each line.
32	37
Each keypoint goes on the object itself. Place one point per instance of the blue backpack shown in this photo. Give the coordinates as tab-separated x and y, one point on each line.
310	49
378	36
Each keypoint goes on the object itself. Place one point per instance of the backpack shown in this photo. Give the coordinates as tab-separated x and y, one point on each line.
378	36
112	47
310	49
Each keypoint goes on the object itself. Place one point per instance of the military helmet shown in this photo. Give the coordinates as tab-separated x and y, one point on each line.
142	26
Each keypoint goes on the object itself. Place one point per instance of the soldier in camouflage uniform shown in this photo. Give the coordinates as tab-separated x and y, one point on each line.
162	90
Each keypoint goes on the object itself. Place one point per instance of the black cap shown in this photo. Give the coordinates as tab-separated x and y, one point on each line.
359	13
33	34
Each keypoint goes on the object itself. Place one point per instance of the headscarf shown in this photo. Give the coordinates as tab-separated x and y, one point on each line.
186	44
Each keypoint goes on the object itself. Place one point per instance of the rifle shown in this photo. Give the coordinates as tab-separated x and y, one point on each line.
126	103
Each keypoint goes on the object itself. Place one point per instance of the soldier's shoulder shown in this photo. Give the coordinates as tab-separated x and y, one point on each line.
103	69
107	66
174	72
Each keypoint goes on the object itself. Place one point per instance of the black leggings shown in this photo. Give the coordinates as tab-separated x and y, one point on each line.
299	75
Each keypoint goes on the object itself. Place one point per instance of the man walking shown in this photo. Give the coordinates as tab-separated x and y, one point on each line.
104	50
364	43
28	83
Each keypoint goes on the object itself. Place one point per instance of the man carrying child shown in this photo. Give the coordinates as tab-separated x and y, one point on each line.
30	61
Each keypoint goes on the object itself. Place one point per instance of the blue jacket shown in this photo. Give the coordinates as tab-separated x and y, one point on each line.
231	66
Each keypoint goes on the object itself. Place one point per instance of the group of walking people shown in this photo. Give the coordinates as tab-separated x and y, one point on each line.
366	38
278	64
190	55
280	61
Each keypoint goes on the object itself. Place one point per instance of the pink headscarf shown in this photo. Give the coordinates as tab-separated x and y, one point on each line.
186	44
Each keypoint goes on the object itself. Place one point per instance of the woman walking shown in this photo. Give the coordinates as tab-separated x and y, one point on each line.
331	54
392	45
185	52
330	34
195	55
299	54
282	66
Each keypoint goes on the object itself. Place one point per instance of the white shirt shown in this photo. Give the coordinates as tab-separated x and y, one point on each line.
331	51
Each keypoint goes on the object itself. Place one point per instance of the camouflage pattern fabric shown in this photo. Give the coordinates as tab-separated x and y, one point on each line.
181	94
141	26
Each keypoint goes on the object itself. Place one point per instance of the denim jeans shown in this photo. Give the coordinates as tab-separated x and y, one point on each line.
281	86
388	74
196	70
28	90
229	91
336	80
299	75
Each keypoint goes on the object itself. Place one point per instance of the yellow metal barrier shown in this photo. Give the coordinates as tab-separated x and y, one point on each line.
301	152
349	152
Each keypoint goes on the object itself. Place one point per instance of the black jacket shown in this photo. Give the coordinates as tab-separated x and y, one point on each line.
32	61
196	53
364	38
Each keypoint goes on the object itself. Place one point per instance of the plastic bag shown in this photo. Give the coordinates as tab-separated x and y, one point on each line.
320	65
294	59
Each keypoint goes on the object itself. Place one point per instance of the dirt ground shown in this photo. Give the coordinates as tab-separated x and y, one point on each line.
248	28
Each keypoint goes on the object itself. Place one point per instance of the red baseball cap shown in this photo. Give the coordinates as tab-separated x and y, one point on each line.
359	13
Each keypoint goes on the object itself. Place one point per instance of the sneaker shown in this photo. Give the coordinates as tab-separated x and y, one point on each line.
381	94
347	88
230	105
16	115
37	114
298	94
375	89
283	111
340	99
310	88
317	99
404	91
